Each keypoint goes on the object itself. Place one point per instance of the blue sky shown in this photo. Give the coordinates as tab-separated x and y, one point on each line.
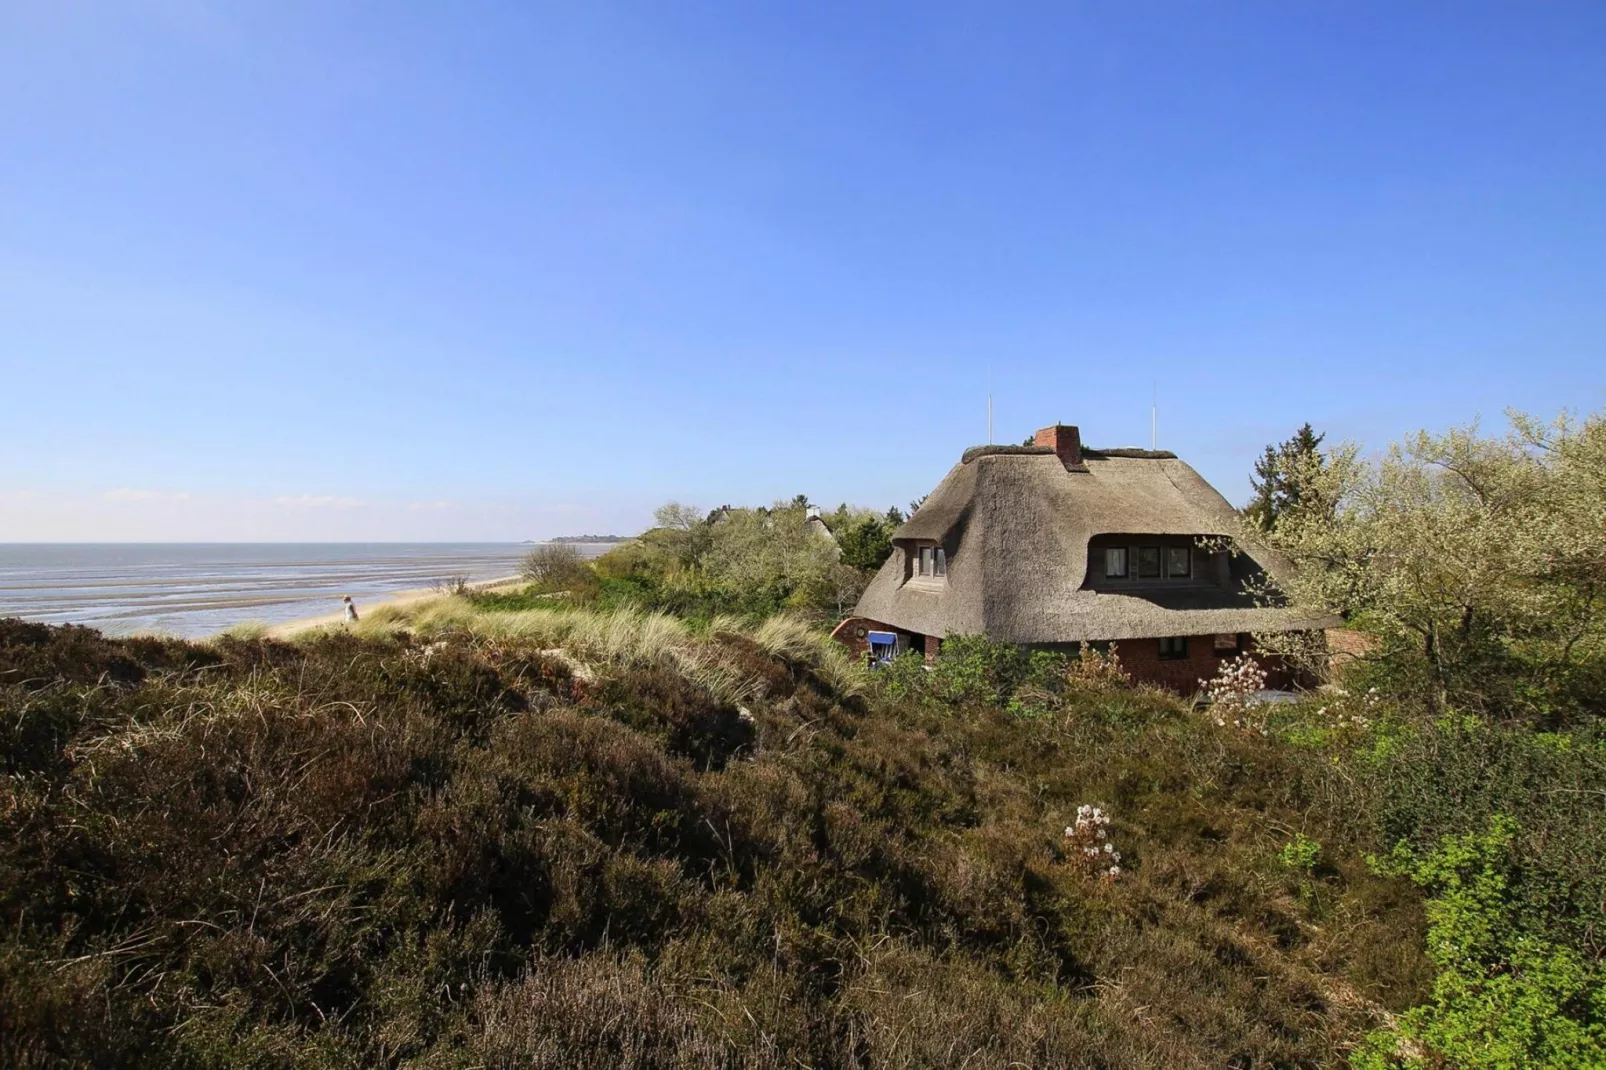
474	271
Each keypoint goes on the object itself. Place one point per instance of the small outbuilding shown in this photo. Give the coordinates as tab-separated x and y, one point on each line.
1054	545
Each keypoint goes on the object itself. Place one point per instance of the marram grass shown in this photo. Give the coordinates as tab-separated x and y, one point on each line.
628	637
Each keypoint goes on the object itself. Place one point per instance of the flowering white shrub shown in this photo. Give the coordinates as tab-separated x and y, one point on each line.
1231	693
1346	711
1088	843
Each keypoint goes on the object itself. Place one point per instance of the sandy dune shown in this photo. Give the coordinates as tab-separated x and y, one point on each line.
400	598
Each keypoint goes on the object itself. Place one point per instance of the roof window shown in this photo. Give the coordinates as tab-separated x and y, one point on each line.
933	561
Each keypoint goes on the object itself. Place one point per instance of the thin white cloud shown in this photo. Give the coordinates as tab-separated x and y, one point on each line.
317	501
132	494
419	507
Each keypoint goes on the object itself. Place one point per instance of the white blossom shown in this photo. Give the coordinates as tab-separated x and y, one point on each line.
1090	835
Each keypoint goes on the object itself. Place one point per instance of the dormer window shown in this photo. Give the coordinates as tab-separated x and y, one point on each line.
933	562
1145	561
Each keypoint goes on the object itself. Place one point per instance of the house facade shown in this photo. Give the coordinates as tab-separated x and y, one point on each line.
1054	545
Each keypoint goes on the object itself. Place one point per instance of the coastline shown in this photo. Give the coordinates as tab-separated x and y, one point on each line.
290	629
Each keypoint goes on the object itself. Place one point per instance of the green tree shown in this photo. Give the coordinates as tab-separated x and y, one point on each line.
771	552
866	542
685	532
1286	479
1480	562
554	566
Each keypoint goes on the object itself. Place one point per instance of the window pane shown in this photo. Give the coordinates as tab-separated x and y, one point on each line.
1148	561
1179	561
925	560
1115	562
942	561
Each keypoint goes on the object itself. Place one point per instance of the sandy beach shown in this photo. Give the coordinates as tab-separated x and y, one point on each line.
196	590
400	598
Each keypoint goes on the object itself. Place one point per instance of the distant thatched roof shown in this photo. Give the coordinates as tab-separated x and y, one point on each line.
1016	526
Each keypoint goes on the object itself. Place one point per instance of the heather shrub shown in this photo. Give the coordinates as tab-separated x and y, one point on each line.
552	842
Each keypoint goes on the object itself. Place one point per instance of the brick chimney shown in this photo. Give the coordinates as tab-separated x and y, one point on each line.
1066	442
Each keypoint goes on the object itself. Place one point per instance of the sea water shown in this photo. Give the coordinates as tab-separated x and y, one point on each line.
199	589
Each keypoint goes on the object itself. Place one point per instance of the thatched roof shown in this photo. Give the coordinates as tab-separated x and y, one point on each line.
1016	526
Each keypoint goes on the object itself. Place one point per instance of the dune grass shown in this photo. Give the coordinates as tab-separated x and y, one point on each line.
631	637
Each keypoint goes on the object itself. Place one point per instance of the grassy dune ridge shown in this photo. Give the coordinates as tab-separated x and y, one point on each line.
554	838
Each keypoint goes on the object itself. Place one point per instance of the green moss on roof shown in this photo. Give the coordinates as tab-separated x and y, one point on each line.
1087	453
996	451
1129	451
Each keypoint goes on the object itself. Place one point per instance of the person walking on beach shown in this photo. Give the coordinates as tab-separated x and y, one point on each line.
351	610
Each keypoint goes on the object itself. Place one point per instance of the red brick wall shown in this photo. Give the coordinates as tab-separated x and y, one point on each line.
1345	645
1141	660
933	647
1065	440
847	633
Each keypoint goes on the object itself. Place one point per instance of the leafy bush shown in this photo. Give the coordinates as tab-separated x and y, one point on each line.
1503	998
1426	783
756	561
1300	853
557	566
974	671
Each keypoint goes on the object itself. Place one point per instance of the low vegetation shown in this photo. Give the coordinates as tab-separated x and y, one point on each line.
619	818
558	840
698	565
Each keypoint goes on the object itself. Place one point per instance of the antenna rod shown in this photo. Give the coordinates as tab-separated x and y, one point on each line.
989	404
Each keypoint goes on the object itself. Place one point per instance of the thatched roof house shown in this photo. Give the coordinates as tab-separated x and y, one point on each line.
1054	544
